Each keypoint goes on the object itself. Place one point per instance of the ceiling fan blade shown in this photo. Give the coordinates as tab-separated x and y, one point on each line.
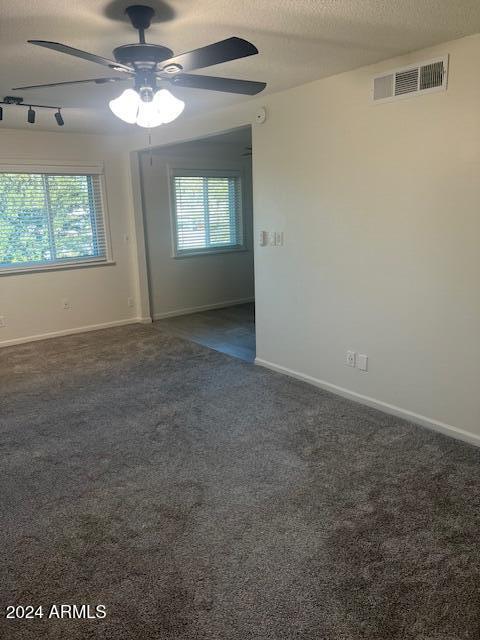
223	51
213	83
78	53
61	84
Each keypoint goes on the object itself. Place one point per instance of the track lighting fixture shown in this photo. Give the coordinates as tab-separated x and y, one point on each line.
15	101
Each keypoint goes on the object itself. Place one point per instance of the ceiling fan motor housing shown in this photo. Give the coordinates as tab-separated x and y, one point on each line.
142	56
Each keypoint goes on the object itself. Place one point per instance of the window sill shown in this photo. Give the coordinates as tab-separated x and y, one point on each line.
208	252
14	271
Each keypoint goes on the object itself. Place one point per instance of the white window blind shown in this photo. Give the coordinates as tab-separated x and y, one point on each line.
207	211
50	219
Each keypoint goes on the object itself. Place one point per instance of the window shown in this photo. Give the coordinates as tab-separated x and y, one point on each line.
207	211
49	219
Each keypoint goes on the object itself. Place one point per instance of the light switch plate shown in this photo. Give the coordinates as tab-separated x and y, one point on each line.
362	362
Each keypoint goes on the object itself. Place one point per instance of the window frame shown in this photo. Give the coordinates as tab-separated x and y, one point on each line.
179	171
64	168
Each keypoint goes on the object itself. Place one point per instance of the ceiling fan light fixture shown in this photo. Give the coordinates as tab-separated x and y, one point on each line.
163	108
126	106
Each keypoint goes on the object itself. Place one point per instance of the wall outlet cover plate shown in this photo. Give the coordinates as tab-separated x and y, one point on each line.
350	359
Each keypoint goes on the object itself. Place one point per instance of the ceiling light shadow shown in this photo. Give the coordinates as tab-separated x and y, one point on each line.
116	10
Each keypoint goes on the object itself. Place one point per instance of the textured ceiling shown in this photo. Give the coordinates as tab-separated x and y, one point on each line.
298	40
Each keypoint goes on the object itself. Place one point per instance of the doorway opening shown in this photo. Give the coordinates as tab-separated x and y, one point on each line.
198	219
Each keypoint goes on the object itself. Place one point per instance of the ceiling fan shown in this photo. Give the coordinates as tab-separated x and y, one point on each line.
149	65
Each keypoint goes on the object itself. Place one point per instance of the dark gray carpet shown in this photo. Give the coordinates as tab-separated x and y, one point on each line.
197	496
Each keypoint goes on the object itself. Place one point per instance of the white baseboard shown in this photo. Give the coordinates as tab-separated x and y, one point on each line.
429	423
205	307
68	332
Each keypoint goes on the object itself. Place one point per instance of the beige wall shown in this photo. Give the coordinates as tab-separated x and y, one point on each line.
380	209
180	285
380	205
32	303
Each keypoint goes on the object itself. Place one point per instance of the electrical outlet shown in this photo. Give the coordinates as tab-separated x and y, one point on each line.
351	358
3	322
130	302
279	238
66	304
362	362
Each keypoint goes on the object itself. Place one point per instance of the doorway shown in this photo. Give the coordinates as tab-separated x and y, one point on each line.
198	219
230	330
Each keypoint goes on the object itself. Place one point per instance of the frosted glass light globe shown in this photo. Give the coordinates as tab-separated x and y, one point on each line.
168	105
126	106
148	115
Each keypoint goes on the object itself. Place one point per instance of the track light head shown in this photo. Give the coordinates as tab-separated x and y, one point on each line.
59	119
30	116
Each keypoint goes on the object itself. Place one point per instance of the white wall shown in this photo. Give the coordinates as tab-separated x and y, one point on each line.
380	209
180	285
32	303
